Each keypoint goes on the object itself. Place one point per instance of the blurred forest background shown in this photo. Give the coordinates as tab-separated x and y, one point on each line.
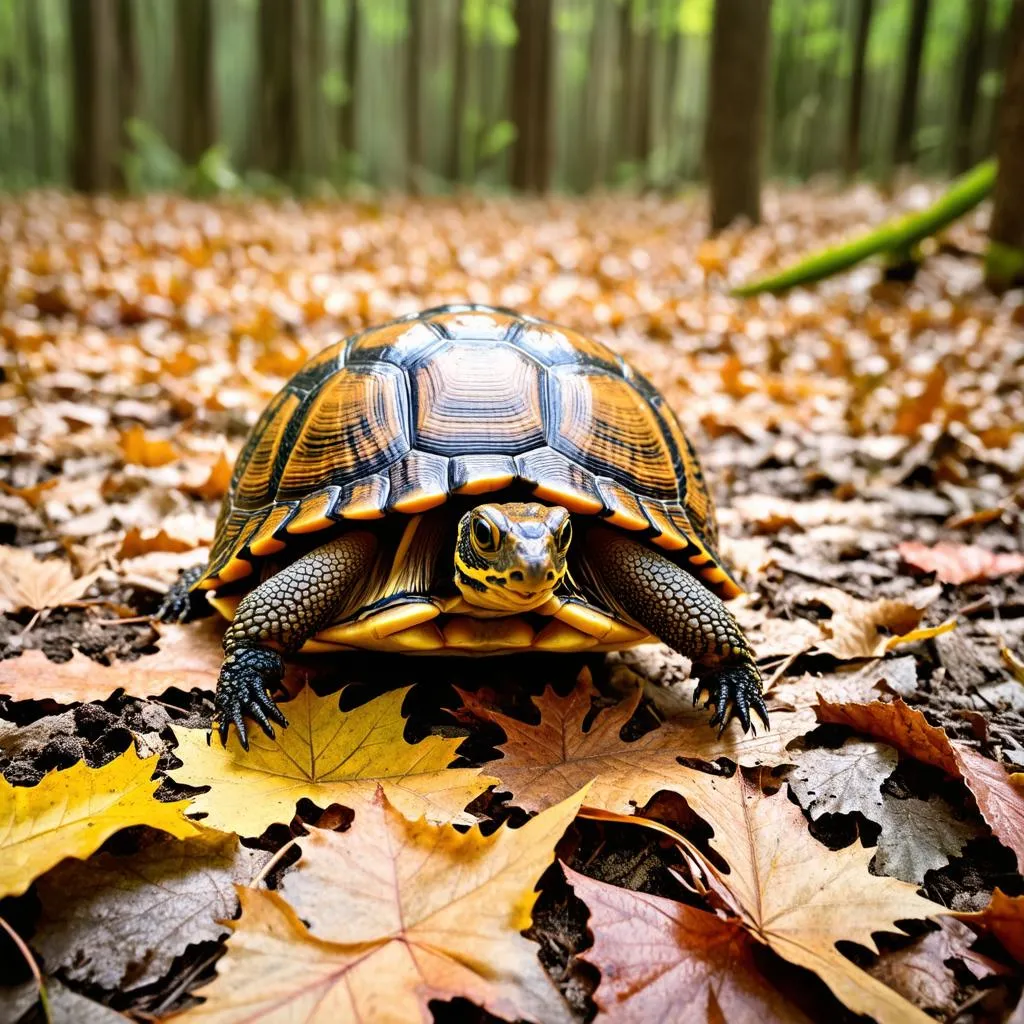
425	96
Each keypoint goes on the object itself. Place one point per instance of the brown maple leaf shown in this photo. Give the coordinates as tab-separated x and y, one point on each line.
38	584
1003	918
544	763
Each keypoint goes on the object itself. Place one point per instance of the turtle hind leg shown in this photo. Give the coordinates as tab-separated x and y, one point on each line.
181	603
681	612
281	614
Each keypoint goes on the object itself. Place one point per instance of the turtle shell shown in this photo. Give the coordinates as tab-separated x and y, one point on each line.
465	400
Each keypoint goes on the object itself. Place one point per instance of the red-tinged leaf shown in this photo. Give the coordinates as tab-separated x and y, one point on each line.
1001	804
960	563
1003	918
656	955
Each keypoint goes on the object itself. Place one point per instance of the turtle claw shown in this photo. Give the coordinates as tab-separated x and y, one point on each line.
242	689
733	691
181	603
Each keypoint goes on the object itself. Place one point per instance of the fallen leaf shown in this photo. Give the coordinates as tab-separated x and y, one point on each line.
868	629
119	921
37	584
66	1007
327	756
799	898
1000	803
139	449
215	486
656	955
542	764
845	780
71	813
187	657
33	495
960	563
918	836
1004	919
137	543
400	912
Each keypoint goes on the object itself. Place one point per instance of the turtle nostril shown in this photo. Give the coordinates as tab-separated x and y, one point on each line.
551	575
516	575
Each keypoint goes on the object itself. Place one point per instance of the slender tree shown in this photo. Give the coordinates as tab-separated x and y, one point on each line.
194	72
1005	262
855	104
94	97
904	147
458	95
531	96
734	134
347	127
282	108
970	74
42	122
413	79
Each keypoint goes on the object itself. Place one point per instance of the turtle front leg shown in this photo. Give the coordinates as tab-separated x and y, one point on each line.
681	612
281	614
181	603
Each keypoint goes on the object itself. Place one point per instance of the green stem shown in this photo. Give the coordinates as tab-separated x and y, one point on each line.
899	234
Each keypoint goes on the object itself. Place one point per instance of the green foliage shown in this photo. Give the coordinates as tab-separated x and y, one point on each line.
497	138
150	164
490	21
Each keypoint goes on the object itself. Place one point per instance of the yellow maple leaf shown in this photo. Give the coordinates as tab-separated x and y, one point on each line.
71	813
543	763
400	912
798	897
328	756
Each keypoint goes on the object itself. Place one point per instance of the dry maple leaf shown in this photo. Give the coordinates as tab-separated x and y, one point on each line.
187	657
855	629
139	449
960	563
119	921
400	912
1000	802
37	584
137	543
798	897
71	813
216	483
542	764
1003	918
656	956
328	756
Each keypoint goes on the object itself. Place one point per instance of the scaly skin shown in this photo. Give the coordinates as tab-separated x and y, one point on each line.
181	603
681	612
281	614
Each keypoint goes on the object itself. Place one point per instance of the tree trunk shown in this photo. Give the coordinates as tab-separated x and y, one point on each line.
281	109
736	103
315	61
531	96
194	68
455	129
855	111
970	75
42	122
347	127
94	98
413	124
904	148
1005	262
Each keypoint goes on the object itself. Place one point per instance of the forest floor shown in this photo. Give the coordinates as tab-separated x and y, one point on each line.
865	442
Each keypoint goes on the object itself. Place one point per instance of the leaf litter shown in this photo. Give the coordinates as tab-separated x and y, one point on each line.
864	440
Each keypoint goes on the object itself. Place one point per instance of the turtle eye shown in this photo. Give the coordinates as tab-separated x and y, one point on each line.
485	535
564	536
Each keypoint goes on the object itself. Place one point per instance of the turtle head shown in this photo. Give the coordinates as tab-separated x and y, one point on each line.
510	557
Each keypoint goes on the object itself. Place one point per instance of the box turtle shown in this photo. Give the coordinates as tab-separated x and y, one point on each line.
467	480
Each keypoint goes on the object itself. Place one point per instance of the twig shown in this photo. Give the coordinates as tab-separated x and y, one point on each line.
271	864
18	941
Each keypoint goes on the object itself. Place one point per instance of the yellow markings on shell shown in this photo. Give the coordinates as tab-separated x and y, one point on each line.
560	636
597	624
502	634
264	542
381	624
226	606
485	484
365	501
312	514
574	501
